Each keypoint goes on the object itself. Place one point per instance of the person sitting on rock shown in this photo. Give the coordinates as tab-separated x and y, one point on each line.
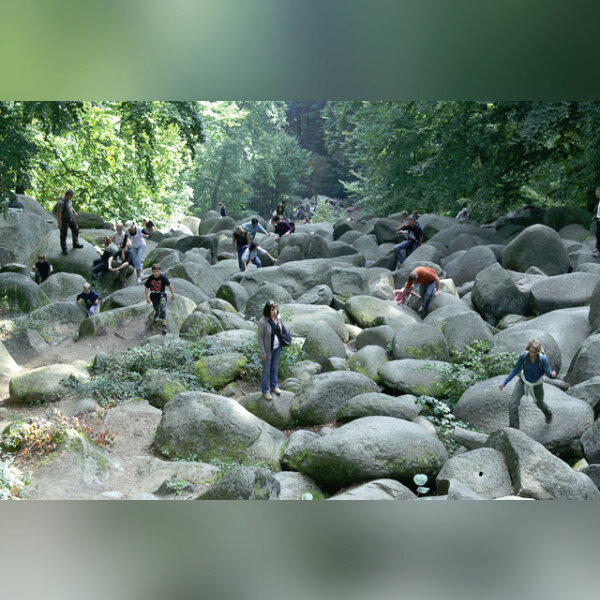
122	264
43	269
121	239
531	364
281	227
414	238
251	253
156	292
90	299
101	263
429	283
14	202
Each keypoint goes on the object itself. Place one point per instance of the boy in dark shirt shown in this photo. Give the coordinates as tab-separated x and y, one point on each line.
413	241
91	299
156	286
42	268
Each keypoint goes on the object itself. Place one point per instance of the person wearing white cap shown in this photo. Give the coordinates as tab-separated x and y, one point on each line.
138	247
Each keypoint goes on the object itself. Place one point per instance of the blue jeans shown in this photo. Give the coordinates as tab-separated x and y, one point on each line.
138	255
99	267
257	262
409	245
269	371
426	292
240	251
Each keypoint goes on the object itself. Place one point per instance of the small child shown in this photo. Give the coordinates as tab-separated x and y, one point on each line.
91	299
42	268
398	295
156	286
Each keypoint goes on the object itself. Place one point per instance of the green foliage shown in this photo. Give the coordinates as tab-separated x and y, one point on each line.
228	466
324	212
477	362
439	414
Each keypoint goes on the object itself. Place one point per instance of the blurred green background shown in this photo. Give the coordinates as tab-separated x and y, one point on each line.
292	49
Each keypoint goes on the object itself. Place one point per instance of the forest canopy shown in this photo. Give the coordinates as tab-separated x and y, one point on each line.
165	159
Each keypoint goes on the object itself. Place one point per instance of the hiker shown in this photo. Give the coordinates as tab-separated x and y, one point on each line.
429	283
43	269
101	263
399	293
138	247
532	364
284	210
156	286
253	226
404	216
222	209
270	341
90	299
148	228
240	241
14	202
281	227
415	215
66	215
250	255
120	239
414	238
597	219
124	262
463	215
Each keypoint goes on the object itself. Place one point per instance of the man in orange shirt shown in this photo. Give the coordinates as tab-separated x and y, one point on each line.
430	286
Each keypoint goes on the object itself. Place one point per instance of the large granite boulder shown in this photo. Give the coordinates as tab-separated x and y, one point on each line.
256	301
563	291
20	232
220	369
235	294
25	345
322	343
301	318
379	489
374	404
63	286
594	316
276	412
20	294
465	328
411	376
470	264
368	361
514	341
586	363
373	448
537	473
245	483
319	399
206	427
363	310
419	341
539	246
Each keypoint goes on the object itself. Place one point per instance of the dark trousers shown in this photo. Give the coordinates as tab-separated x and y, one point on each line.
515	400
240	251
72	225
99	267
598	234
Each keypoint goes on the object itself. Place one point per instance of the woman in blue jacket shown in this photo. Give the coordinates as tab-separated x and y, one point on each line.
532	364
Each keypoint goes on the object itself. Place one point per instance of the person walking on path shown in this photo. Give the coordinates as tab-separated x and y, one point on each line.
90	299
240	240
270	329
43	269
429	283
531	364
413	241
138	247
250	255
253	227
597	219
66	215
156	292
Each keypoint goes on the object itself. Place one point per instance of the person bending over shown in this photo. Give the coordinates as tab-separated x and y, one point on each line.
429	283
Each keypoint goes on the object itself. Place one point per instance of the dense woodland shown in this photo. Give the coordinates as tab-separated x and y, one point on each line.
163	159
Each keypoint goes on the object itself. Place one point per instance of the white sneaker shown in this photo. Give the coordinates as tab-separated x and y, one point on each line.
596	253
138	280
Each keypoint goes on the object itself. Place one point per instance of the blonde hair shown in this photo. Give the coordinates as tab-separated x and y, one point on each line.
87	287
536	345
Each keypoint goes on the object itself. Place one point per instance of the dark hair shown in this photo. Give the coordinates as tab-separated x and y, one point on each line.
413	276
268	306
276	218
156	266
69	193
254	221
149	224
279	206
253	245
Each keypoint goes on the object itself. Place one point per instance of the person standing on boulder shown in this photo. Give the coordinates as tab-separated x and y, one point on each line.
222	209
531	364
156	292
413	241
240	240
138	247
270	329
597	218
66	215
429	283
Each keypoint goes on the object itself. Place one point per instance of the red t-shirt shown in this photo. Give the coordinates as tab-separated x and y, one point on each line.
425	275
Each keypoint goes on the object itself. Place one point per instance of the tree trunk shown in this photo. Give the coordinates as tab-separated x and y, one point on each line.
215	194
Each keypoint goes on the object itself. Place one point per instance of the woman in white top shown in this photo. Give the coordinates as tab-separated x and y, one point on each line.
138	247
120	238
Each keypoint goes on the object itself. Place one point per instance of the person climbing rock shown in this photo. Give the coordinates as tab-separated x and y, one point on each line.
253	227
138	247
240	241
429	283
531	364
250	255
90	299
414	238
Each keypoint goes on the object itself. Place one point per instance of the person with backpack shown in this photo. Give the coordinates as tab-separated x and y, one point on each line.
531	365
414	238
240	241
272	335
66	215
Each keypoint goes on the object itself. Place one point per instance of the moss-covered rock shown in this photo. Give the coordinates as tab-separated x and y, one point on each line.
322	343
410	376
363	310
276	412
368	360
160	387
220	369
420	341
19	293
